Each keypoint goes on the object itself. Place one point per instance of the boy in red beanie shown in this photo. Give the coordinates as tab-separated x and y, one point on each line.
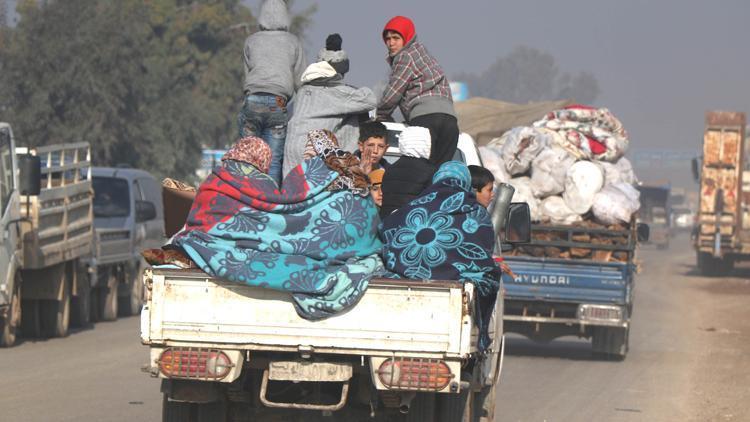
419	87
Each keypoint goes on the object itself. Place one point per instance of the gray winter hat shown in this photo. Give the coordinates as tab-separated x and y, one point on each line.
334	55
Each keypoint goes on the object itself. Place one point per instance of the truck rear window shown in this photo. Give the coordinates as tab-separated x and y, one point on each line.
111	197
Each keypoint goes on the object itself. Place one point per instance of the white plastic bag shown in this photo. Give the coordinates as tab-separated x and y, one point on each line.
627	175
494	163
520	146
548	171
616	203
555	210
583	181
523	194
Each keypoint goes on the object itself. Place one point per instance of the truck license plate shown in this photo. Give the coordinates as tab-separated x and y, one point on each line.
309	371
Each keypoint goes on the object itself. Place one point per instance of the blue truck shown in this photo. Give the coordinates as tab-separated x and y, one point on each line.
574	280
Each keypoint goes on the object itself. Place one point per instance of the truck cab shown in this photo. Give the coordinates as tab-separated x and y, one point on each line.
128	218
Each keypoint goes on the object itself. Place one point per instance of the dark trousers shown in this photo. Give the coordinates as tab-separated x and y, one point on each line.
444	132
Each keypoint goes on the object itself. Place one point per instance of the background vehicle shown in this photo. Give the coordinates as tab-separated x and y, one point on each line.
723	235
682	219
556	294
656	211
128	218
47	234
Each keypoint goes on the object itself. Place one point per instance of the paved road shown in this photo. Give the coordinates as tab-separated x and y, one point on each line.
689	360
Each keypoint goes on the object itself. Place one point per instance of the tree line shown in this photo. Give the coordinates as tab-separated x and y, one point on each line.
147	83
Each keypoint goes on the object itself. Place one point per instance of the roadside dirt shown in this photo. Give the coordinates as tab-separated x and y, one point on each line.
719	385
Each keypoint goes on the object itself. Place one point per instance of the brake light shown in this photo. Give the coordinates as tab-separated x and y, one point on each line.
415	374
194	363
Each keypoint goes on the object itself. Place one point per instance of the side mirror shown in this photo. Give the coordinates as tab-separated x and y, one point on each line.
696	170
29	174
144	211
643	232
518	224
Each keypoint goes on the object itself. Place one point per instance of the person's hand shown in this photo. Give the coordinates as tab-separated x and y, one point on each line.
366	162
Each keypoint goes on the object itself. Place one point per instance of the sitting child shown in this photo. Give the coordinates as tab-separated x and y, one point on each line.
373	144
483	184
376	182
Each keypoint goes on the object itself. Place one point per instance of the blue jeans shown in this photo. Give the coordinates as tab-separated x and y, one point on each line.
265	116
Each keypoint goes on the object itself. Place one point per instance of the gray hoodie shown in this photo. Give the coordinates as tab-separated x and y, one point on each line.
274	58
326	103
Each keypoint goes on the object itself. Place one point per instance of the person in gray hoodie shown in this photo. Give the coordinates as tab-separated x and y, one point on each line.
274	61
325	102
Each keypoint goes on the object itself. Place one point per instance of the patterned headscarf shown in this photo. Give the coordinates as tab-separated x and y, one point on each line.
323	143
251	150
454	173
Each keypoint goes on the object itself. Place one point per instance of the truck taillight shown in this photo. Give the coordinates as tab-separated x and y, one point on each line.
415	374
194	363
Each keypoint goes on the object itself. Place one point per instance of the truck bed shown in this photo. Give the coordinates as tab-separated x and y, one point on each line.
188	307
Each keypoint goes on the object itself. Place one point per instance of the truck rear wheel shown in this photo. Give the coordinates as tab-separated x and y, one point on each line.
81	303
456	407
131	303
610	343
9	323
422	409
175	411
107	299
55	314
30	322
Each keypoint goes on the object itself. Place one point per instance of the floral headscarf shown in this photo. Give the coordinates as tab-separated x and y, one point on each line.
251	150
323	143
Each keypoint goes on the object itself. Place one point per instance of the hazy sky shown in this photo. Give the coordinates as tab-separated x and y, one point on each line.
660	64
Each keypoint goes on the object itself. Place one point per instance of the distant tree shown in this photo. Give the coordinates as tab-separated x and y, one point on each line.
528	74
148	84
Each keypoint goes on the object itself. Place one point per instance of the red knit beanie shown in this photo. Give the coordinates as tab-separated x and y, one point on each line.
403	26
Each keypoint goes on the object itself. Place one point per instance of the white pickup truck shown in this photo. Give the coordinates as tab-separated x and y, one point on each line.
406	352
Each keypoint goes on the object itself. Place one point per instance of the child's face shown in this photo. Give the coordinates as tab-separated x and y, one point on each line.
484	195
377	194
375	147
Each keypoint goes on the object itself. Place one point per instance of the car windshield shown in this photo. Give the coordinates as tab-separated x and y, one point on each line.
111	197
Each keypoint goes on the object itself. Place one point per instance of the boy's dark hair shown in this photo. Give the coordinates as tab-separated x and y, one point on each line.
372	129
480	176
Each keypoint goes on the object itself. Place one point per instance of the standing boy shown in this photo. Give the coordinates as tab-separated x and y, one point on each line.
420	88
274	61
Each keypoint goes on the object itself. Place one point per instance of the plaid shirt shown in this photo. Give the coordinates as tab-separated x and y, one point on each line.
415	74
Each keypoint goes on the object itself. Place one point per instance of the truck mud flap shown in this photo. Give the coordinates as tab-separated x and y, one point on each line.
332	407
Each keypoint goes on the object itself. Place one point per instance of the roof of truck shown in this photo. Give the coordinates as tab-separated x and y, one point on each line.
123	173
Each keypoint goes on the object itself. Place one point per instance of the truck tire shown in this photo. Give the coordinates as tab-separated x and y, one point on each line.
55	314
30	321
9	324
175	411
80	305
211	412
131	303
610	343
422	409
107	299
456	407
484	404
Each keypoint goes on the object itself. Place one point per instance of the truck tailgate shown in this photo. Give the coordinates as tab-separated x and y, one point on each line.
561	280
406	316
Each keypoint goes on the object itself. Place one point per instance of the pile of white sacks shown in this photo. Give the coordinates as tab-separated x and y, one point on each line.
568	166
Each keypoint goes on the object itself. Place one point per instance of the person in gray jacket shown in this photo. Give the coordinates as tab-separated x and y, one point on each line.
325	102
274	61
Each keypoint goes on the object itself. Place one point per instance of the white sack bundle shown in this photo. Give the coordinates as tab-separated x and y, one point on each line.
619	172
627	175
548	171
520	146
494	163
583	181
555	210
616	203
523	194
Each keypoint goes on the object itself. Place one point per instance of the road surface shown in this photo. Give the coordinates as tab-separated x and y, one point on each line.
688	360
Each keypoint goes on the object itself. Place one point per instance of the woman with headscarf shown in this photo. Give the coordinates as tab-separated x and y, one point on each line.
325	102
445	234
315	238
